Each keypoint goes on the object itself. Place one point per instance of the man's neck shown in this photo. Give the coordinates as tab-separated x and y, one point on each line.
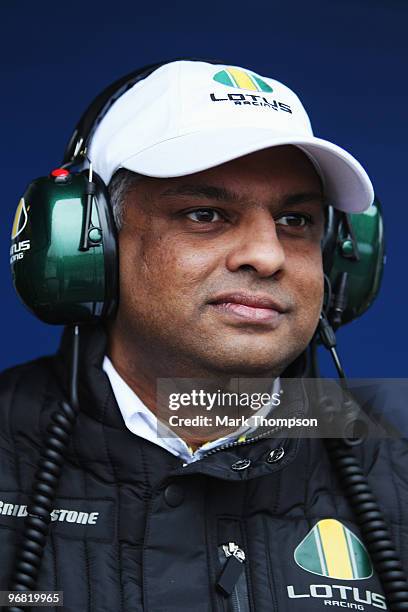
141	371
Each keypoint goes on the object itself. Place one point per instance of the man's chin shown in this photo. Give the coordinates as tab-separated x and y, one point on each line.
246	364
255	350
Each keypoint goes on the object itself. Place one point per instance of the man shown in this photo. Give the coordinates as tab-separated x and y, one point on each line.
220	196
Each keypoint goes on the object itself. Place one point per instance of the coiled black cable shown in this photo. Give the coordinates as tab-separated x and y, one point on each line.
376	533
29	556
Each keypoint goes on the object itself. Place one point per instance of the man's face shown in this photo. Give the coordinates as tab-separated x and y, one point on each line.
221	271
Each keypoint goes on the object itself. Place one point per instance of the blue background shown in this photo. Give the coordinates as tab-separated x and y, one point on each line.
345	59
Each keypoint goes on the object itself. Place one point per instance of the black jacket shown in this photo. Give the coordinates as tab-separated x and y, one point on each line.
134	530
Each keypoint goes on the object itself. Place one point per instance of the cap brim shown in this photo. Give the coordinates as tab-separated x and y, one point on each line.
346	183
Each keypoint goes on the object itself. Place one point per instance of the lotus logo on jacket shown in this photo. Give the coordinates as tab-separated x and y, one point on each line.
331	550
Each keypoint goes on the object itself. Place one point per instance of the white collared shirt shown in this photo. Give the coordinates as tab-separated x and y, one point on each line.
140	420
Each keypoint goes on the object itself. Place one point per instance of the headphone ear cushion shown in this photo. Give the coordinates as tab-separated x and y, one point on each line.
58	280
329	242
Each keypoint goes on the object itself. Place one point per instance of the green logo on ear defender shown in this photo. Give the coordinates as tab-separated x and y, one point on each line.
241	79
332	550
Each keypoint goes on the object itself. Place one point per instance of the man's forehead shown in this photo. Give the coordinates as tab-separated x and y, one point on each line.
284	169
227	195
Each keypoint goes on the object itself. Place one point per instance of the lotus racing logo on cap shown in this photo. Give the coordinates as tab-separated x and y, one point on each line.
332	551
234	77
19	224
242	79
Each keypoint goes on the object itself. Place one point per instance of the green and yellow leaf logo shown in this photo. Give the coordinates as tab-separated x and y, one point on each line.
20	219
332	550
241	79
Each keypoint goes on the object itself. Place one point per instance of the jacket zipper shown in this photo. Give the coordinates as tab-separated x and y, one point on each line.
232	581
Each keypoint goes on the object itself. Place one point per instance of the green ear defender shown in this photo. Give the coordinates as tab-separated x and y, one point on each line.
357	266
63	252
64	255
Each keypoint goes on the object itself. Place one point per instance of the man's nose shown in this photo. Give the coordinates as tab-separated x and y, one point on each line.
257	245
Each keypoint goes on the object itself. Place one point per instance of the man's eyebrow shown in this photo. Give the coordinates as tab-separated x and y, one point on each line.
301	198
221	194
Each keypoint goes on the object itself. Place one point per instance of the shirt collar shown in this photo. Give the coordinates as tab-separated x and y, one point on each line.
141	421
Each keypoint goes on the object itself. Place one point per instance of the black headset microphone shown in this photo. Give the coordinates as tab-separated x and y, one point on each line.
352	280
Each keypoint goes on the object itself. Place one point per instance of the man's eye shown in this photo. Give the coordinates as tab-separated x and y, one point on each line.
294	220
204	215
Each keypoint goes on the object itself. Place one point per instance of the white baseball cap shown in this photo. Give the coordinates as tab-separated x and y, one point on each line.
188	116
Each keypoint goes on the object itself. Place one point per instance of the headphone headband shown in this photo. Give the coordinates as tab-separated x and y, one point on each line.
99	107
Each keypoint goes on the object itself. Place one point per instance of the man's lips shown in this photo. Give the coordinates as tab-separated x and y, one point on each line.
257	308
